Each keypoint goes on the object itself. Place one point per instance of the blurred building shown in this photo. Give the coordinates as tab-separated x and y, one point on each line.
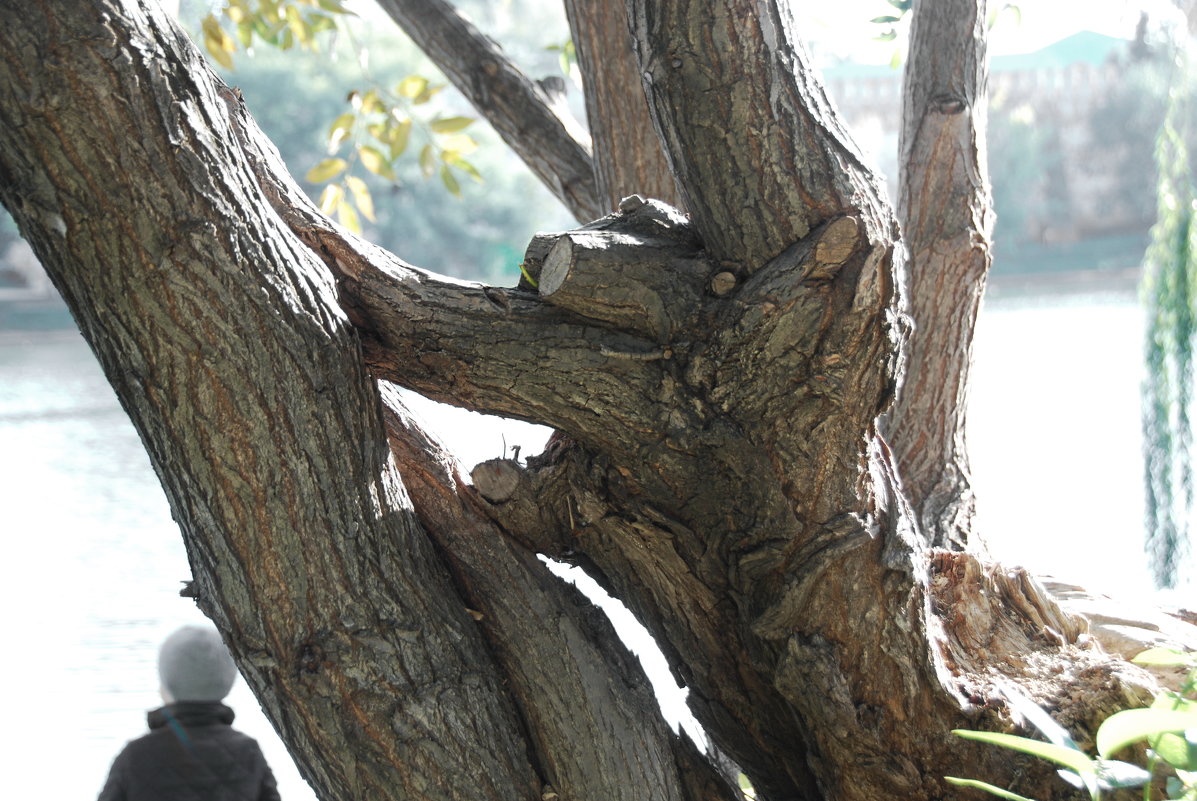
1072	131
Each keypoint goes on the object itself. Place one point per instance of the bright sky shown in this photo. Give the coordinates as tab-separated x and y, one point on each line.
844	29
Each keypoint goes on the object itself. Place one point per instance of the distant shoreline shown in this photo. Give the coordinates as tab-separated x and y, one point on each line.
1123	284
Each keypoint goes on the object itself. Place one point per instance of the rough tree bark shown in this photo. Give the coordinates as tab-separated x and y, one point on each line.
628	159
542	132
716	380
947	220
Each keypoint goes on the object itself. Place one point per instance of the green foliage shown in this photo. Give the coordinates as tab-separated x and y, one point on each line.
301	100
567	60
278	23
375	131
1006	9
1168	726
1170	292
893	22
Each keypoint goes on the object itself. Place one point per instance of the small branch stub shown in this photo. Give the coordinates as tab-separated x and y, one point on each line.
722	283
631	203
497	479
838	241
640	277
835	246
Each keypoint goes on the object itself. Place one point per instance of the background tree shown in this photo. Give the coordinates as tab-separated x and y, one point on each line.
1169	276
715	378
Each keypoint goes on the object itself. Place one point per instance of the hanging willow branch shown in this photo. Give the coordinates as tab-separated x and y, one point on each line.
1170	290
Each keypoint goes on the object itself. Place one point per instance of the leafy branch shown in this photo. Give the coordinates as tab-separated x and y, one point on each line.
277	23
1169	726
377	128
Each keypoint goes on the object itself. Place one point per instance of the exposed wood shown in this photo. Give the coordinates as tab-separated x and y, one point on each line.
629	275
542	132
496	479
944	206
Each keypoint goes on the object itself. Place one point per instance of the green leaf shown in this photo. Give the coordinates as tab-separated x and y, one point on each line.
1113	775
375	162
325	170
1131	725
371	103
528	277
1166	657
340	129
458	143
361	196
217	42
332	196
445	125
429	92
450	181
1171	700
989	788
295	23
320	23
347	217
885	20
237	10
469	169
888	36
1178	751
427	161
268	32
1062	755
298	25
399	137
245	32
412	86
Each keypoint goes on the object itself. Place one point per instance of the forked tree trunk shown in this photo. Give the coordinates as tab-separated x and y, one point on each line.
716	380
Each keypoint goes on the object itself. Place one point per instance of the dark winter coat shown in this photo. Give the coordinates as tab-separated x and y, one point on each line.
192	753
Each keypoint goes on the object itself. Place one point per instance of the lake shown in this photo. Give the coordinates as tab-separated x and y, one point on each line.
94	562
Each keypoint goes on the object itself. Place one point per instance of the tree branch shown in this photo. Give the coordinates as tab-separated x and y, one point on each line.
540	131
759	157
946	213
627	153
503	351
588	707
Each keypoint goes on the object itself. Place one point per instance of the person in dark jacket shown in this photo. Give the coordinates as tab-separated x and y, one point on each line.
192	752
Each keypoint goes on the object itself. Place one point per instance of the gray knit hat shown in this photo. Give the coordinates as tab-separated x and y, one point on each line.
194	665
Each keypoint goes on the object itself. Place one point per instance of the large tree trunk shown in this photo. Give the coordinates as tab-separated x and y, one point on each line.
716	380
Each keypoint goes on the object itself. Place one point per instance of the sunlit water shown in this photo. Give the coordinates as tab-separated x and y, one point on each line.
93	562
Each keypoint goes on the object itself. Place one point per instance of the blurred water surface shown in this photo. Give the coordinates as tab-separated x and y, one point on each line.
93	562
